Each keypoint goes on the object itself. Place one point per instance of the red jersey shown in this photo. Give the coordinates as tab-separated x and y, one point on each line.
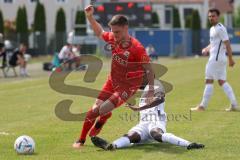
126	67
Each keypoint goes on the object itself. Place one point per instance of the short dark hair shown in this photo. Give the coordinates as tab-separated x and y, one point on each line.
214	10
118	20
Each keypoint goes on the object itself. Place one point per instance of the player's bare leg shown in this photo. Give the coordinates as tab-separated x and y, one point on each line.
208	91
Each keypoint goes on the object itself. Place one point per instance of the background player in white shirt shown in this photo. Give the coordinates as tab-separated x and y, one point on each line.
151	127
217	63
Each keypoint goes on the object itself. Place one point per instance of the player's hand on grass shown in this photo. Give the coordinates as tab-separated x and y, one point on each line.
89	11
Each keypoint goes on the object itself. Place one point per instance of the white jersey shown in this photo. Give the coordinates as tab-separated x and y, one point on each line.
156	113
65	53
218	34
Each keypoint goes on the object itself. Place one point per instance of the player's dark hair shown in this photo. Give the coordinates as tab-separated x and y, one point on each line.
118	20
211	10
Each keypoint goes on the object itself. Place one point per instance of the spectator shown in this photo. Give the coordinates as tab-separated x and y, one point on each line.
2	51
18	58
69	55
151	52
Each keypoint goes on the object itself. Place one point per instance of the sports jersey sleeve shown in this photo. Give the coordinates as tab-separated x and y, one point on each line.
222	32
106	36
141	55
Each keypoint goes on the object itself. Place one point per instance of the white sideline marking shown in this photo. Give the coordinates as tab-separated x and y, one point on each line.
4	133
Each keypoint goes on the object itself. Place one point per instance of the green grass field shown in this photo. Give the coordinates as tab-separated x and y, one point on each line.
27	107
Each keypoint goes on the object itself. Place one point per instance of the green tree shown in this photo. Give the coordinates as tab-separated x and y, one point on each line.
39	29
221	19
188	21
236	18
176	18
155	20
22	25
60	27
1	23
39	18
208	24
80	23
196	21
196	30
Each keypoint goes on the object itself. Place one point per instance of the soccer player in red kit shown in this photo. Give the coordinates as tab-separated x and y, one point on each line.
129	63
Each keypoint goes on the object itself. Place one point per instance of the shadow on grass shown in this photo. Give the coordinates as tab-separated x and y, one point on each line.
158	147
153	147
29	155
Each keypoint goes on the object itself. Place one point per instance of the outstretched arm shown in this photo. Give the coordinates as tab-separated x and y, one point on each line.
150	77
155	102
97	28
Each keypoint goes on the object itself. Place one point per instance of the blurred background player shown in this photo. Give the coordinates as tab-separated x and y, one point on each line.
128	55
66	56
151	52
151	127
2	51
217	63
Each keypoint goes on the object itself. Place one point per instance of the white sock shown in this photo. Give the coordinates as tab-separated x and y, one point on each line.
122	142
230	94
172	139
25	71
208	91
21	71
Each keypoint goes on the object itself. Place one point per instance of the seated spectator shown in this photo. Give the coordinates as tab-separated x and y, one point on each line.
151	52
2	51
18	58
68	56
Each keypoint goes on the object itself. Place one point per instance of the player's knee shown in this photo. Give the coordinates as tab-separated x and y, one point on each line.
209	81
221	82
133	137
156	133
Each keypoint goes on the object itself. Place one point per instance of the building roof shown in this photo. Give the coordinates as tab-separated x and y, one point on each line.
223	5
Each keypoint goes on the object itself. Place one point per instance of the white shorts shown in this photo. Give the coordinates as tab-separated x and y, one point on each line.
216	70
144	129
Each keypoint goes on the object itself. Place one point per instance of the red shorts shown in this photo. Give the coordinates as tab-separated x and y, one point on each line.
117	95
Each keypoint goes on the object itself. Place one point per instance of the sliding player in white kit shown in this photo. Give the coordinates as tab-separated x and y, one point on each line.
152	125
217	63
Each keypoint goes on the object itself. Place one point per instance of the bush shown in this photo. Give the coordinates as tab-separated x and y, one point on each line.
80	22
39	29
176	18
155	20
60	28
1	23
22	25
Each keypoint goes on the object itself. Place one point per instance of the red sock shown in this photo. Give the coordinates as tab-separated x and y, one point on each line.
88	123
99	124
